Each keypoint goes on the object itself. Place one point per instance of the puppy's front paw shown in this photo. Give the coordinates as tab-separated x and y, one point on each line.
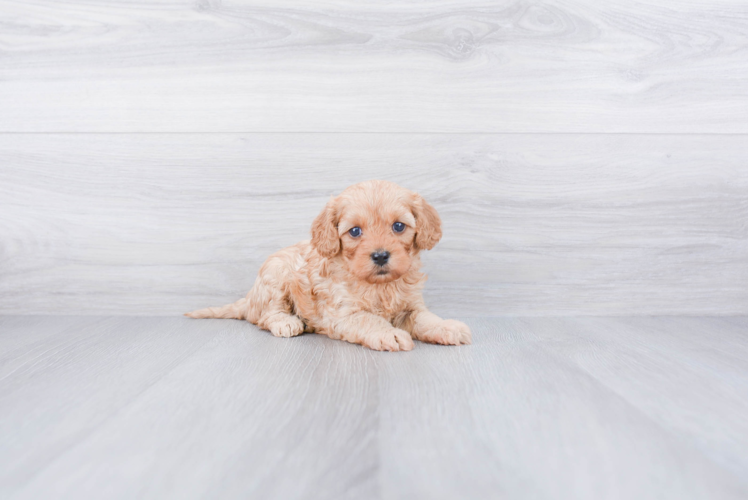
448	332
389	340
287	326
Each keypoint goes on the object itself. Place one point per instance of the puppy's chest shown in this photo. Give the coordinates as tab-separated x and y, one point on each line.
385	301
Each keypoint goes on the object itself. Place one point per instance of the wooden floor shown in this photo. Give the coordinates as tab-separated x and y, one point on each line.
586	407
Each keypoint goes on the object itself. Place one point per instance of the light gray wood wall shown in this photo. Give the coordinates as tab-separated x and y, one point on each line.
586	157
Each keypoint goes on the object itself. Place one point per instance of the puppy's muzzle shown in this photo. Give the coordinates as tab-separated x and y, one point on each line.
380	257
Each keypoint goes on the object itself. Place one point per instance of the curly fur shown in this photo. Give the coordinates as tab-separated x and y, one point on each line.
330	284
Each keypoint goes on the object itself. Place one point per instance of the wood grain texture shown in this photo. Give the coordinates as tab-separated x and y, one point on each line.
138	412
344	66
582	408
498	419
637	357
62	387
533	224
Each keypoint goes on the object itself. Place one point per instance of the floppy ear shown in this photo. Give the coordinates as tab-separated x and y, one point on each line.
428	224
325	231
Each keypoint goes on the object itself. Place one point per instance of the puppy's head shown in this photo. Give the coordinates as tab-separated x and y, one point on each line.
376	228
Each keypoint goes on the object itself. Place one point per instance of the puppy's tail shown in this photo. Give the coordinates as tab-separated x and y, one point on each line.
237	310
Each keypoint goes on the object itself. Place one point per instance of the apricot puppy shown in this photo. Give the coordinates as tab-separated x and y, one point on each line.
358	278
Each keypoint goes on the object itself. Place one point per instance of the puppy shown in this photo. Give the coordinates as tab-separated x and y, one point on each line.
358	278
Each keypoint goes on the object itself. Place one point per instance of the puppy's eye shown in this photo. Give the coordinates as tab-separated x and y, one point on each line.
355	232
398	227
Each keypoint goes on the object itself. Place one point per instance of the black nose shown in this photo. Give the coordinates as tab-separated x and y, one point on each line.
380	257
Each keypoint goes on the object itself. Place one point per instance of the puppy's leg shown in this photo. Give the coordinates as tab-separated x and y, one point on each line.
271	309
428	327
270	303
369	330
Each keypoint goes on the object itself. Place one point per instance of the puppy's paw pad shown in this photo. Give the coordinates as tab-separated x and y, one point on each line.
287	327
449	332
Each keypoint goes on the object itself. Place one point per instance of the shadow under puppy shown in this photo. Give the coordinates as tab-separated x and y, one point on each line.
358	279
